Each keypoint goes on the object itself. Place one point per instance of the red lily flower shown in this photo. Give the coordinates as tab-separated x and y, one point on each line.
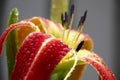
47	49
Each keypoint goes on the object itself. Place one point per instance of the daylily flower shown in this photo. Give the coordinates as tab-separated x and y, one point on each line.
51	51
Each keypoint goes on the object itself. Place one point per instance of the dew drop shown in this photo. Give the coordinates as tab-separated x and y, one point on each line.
49	65
28	63
51	56
30	59
31	44
28	52
25	49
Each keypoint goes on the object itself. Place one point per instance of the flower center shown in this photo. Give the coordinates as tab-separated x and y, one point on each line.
71	36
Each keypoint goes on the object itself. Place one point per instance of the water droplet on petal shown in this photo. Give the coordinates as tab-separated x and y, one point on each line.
28	52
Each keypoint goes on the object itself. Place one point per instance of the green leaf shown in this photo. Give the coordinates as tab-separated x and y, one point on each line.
11	41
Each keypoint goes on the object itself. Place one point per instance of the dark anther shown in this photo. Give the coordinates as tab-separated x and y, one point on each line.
79	46
72	10
80	22
66	17
62	19
84	17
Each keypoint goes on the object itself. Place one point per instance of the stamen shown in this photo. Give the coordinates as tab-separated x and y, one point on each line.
68	25
62	19
66	18
71	16
79	46
71	22
84	17
80	27
80	22
72	10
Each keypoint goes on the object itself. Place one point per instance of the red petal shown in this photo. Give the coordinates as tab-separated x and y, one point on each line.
13	26
37	57
95	61
104	72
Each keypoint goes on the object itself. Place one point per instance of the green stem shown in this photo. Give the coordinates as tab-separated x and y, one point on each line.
58	7
11	41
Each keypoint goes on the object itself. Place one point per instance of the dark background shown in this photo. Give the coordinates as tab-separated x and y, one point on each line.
102	24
